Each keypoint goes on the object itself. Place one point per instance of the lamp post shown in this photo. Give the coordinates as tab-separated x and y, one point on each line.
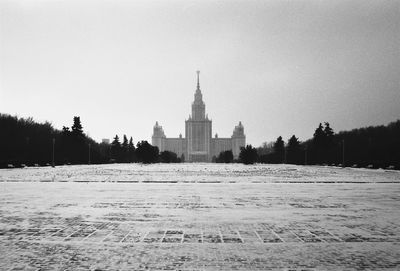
305	155
343	153
54	142
89	154
284	154
27	158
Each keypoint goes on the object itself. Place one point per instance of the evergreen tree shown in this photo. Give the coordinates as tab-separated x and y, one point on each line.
131	151
279	150
319	143
146	153
329	144
329	135
323	143
319	136
65	130
293	151
328	130
116	149
225	157
77	128
248	155
125	150
77	141
65	149
168	157
125	142
24	141
116	142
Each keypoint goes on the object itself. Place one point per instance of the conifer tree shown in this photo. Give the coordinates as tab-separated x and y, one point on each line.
168	157
65	130
279	150
146	153
116	149
248	155
225	157
78	146
319	136
125	142
318	143
328	135
116	142
329	144
66	146
323	143
77	128
293	150
131	150
124	150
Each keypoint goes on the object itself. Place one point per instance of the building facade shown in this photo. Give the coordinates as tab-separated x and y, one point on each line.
198	145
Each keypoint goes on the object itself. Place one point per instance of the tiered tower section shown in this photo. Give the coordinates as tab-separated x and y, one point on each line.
198	129
198	144
238	139
158	137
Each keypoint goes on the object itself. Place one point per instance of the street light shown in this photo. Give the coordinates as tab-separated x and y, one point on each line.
89	154
305	155
54	142
285	155
343	152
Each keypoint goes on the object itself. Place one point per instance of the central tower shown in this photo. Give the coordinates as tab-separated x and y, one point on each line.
198	129
198	144
198	106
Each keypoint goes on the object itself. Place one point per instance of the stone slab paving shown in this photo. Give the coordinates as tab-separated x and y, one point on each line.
241	224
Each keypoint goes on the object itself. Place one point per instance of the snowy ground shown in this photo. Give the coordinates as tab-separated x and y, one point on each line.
199	217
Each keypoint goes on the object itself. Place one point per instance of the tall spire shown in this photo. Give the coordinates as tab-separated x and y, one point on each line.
198	79
198	106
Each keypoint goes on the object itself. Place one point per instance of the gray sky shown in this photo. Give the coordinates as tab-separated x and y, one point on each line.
280	67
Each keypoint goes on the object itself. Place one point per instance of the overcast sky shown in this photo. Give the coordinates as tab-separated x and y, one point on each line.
280	67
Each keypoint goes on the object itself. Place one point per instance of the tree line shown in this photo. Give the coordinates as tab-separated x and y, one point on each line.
26	142
144	152
373	147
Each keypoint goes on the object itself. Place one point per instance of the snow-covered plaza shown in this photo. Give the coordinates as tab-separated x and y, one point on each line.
199	217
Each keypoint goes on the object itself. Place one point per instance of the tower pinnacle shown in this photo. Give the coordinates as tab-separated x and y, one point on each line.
198	80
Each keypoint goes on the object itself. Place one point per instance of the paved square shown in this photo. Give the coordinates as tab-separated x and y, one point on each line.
199	217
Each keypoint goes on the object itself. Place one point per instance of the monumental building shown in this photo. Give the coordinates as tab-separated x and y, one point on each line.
198	145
